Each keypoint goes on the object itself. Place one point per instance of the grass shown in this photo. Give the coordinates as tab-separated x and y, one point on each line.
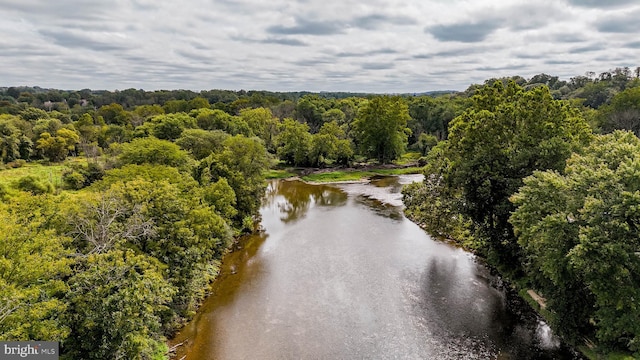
278	174
595	354
335	176
50	172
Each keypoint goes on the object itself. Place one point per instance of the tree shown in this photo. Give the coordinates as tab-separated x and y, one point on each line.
33	261
580	232
115	305
505	136
153	151
202	143
171	126
53	148
381	128
242	163
114	114
623	113
330	143
294	141
10	137
262	124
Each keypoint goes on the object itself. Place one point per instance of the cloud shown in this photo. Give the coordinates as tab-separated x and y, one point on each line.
501	68
284	41
602	3
627	23
308	27
633	45
568	38
377	66
464	32
288	41
92	41
560	62
375	21
588	48
383	51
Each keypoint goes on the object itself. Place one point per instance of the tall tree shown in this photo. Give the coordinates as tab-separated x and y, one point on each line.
580	232
506	135
381	128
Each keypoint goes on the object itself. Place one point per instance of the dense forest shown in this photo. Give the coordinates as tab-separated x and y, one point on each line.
537	175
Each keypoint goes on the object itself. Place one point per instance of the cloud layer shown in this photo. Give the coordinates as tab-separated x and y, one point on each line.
353	45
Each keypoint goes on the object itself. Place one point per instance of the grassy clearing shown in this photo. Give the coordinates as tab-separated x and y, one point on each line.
336	176
278	174
49	172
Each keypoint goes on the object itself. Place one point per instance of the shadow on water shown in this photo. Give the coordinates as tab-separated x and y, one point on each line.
238	267
299	196
468	306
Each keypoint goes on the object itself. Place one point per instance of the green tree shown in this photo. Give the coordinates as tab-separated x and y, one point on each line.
115	305
10	137
171	126
580	234
623	113
262	124
208	119
114	114
53	148
330	143
381	128
153	151
33	262
294	141
202	143
505	136
242	163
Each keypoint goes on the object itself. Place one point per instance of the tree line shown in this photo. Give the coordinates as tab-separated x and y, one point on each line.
547	191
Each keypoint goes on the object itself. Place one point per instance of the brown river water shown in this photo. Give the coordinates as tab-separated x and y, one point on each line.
340	273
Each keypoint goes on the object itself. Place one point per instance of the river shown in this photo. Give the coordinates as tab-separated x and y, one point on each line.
340	273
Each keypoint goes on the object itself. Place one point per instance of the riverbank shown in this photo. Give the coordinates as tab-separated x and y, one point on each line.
360	173
525	296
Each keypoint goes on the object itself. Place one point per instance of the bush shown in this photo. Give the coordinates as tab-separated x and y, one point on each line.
33	185
73	180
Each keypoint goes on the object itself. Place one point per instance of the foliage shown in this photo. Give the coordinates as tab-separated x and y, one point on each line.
242	163
34	185
202	143
294	141
115	305
330	143
33	263
580	230
171	126
153	151
381	128
506	135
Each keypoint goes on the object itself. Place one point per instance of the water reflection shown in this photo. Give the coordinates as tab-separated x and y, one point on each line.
339	274
294	198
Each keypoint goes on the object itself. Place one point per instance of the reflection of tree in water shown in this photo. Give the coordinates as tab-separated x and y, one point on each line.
462	307
299	196
381	208
392	182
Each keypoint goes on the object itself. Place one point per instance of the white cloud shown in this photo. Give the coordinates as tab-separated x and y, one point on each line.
351	45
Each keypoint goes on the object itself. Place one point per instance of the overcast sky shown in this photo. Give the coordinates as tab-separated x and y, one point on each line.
331	45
